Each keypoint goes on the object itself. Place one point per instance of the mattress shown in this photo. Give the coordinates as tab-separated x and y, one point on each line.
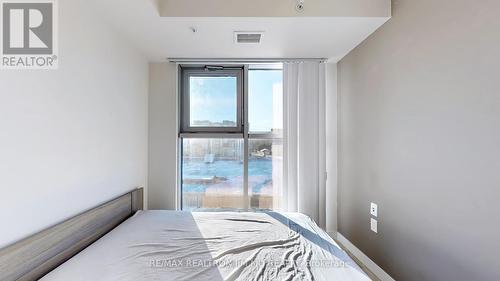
173	245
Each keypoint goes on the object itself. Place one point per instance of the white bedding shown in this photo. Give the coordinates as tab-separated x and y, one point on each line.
169	245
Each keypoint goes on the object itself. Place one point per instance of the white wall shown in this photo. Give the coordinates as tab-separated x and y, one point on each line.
162	180
74	137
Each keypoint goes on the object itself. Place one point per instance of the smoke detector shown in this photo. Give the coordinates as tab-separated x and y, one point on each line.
300	6
248	37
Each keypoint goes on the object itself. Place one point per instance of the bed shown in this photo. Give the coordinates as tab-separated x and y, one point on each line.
176	245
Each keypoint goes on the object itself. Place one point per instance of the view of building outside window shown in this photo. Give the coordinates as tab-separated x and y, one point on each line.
265	173
212	173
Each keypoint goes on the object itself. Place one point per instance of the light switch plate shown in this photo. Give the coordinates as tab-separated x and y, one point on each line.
373	225
373	209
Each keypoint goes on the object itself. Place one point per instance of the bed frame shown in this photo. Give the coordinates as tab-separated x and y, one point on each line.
35	256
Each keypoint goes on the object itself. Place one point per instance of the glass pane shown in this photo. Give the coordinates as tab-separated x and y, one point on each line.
265	173
212	173
213	101
265	101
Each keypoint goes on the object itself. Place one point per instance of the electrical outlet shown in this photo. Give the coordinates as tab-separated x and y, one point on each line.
373	225
374	209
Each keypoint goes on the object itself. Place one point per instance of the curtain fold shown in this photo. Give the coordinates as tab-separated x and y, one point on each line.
304	139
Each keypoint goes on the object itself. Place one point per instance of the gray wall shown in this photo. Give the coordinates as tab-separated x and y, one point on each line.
419	127
331	148
162	168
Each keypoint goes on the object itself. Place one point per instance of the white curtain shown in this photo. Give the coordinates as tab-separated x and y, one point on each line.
304	183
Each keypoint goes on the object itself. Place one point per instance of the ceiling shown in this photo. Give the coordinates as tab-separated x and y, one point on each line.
284	37
274	8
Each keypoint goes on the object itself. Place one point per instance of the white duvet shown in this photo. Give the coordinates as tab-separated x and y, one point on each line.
169	245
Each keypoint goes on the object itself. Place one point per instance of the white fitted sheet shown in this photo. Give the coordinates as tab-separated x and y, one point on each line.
173	245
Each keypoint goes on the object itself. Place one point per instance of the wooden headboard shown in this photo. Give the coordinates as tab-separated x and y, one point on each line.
34	256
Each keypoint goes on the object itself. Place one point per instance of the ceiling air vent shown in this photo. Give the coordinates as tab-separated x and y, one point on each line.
248	37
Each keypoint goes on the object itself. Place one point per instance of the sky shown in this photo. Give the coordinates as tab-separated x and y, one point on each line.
215	98
262	85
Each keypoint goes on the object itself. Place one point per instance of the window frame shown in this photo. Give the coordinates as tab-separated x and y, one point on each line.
186	74
241	131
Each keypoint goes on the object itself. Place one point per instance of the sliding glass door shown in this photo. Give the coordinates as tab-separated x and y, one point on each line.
231	137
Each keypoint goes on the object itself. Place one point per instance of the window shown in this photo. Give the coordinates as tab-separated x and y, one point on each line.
265	101
265	173
231	137
212	100
265	146
212	173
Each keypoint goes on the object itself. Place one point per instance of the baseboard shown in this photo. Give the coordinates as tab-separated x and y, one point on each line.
372	266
